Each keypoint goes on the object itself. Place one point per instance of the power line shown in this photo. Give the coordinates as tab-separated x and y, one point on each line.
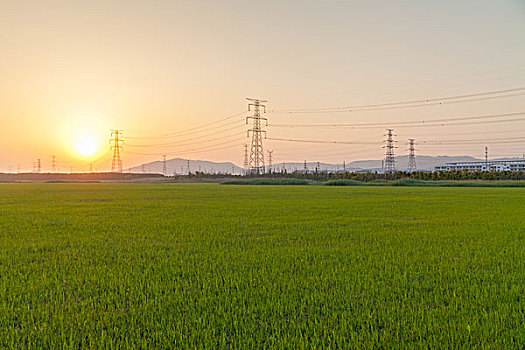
191	130
323	141
408	103
177	144
402	123
195	150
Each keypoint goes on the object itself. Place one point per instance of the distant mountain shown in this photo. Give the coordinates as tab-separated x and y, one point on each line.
180	166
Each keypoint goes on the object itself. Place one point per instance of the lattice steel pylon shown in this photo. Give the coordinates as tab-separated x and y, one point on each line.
411	155
256	150
246	159
389	165
270	154
116	144
53	164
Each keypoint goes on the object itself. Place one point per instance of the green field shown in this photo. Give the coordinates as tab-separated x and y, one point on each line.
205	265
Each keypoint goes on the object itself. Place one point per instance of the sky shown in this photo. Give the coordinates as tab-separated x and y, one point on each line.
72	70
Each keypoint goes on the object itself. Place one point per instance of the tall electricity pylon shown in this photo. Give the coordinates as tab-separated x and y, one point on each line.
389	166
256	150
270	168
116	144
411	155
38	166
53	164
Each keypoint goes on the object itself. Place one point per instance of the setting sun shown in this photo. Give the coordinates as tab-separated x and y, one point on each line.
85	147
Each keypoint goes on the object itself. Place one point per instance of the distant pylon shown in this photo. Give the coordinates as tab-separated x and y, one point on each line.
305	167
164	172
486	158
389	166
411	155
116	145
53	164
246	159
270	160
39	166
256	150
188	163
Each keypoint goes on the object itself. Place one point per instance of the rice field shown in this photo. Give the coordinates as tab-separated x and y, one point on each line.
211	266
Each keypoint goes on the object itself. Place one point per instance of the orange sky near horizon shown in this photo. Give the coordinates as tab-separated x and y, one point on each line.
71	71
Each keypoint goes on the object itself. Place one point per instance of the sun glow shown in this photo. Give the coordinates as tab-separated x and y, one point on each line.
86	146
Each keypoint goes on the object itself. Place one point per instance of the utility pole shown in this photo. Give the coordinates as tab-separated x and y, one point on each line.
411	155
246	159
486	158
305	167
164	165
53	164
116	144
39	166
344	166
188	161
390	159
270	160
256	150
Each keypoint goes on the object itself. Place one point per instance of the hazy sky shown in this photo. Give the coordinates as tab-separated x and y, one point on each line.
72	70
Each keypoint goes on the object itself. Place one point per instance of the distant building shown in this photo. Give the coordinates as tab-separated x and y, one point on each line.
492	165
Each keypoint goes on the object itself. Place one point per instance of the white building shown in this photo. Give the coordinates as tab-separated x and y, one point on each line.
492	165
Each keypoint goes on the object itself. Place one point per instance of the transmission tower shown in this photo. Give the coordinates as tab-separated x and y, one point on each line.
38	166
53	164
164	165
246	159
269	160
486	158
305	167
389	166
256	150
411	155
116	144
